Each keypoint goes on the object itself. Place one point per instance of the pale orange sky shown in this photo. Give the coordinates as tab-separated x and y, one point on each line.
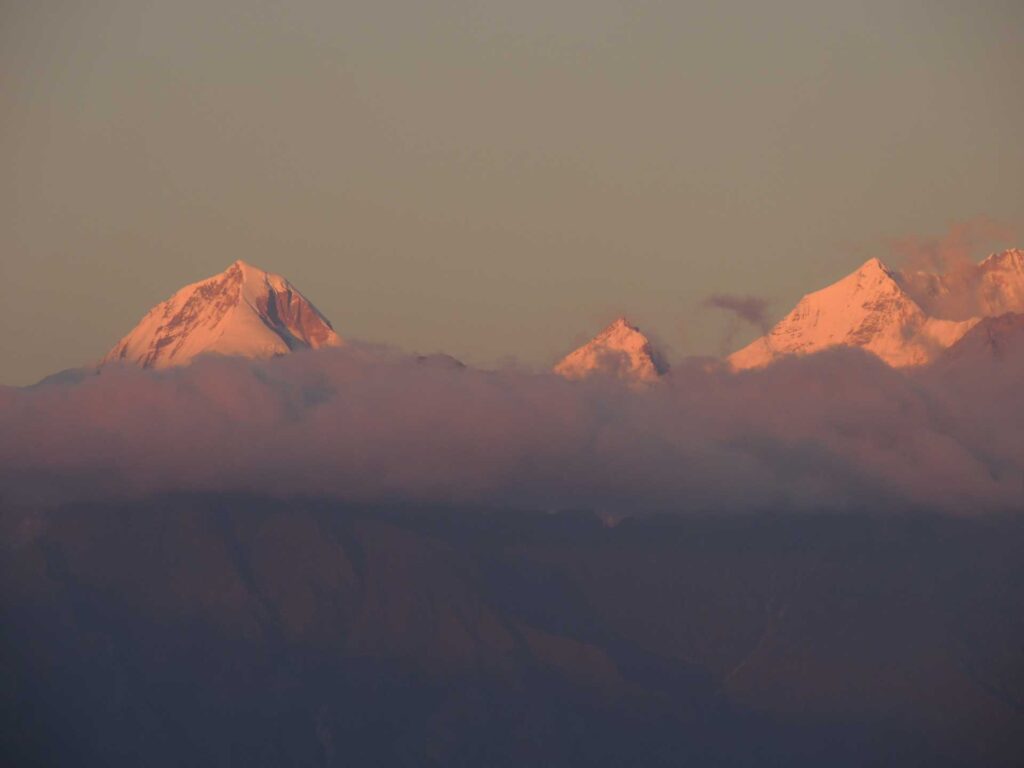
492	179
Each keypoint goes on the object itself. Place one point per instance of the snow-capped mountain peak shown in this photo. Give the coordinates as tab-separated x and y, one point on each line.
868	309
244	311
620	350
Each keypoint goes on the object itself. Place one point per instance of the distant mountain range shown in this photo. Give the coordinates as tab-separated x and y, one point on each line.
905	318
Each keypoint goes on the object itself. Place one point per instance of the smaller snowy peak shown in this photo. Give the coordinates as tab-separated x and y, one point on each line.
1000	286
621	350
990	288
244	311
1011	260
993	338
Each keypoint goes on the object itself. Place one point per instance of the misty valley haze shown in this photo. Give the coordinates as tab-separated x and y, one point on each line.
838	430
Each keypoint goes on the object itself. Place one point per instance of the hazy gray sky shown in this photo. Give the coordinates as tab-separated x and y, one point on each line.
490	179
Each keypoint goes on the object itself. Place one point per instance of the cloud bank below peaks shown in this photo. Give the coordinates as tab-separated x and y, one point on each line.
834	431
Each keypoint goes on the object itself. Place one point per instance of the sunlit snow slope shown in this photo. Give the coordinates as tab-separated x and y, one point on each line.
620	350
244	311
904	318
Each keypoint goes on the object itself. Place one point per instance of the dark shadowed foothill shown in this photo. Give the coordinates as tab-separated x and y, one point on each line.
225	630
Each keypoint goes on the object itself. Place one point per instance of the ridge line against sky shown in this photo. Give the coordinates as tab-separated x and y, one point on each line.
488	179
936	298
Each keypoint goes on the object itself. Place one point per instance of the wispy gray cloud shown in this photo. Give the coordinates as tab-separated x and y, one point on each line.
752	310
